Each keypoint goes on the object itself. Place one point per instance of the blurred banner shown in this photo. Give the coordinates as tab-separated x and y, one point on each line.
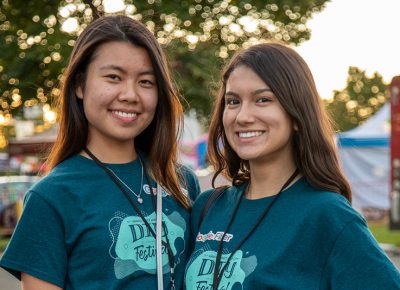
193	153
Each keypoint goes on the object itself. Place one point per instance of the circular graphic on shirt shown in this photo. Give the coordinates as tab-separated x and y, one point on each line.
134	247
201	266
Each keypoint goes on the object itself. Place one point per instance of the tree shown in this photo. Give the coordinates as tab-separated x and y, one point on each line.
359	100
36	38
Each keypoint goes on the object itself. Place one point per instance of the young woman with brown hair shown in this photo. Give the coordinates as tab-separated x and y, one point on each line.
286	222
114	187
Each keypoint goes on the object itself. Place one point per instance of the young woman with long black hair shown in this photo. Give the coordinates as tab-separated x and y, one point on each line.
113	211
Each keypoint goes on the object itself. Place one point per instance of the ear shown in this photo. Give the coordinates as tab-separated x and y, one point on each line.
79	92
295	127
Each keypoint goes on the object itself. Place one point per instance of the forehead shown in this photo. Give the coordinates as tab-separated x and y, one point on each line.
244	76
121	53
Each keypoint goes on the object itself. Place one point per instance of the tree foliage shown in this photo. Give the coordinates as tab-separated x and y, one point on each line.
359	100
37	36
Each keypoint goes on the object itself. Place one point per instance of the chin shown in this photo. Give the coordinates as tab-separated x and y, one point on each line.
124	139
247	156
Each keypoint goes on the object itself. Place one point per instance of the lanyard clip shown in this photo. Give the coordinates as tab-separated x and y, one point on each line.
172	278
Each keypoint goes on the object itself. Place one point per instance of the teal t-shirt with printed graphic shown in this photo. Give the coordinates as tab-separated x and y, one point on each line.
78	231
310	239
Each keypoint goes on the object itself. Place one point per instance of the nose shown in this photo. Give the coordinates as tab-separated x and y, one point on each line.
245	114
129	92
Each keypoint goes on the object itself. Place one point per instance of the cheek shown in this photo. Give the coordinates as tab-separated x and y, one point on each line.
153	101
286	127
96	98
148	98
224	121
227	120
149	104
289	123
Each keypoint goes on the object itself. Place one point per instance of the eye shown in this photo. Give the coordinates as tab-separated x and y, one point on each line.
113	77
231	102
146	83
263	100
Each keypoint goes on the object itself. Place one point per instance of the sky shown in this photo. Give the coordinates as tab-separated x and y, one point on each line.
361	33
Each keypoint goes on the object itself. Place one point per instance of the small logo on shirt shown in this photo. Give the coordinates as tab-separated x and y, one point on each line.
147	190
213	237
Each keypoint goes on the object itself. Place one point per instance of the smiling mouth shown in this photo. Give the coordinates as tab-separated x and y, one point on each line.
124	114
250	134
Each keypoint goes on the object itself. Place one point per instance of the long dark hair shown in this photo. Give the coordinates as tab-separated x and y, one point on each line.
159	139
291	81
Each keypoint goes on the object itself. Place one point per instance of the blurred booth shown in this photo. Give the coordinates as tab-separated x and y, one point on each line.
27	152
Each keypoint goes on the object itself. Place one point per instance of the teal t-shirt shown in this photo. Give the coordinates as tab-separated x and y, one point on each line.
310	239
78	231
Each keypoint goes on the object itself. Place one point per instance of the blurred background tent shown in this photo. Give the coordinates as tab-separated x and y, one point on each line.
193	143
364	154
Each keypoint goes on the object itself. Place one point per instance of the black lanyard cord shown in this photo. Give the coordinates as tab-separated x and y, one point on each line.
218	274
140	214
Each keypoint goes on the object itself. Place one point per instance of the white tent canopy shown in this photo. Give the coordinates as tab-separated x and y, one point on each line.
364	154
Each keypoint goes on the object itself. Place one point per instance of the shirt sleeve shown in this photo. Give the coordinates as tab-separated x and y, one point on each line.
37	246
356	261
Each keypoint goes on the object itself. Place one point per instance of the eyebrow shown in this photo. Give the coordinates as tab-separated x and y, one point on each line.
122	70
256	92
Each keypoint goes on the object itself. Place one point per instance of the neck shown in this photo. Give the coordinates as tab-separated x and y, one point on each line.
268	180
117	153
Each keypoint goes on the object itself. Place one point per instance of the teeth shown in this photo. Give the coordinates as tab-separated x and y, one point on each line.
250	134
125	114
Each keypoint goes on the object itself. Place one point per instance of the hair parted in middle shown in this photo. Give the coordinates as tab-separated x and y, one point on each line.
159	139
291	81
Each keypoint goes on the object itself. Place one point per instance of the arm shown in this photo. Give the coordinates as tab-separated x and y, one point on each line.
357	262
29	282
38	247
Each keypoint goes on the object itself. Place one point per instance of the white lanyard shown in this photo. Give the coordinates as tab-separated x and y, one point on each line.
160	277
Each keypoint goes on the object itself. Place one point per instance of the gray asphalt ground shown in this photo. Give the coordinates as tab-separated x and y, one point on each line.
8	282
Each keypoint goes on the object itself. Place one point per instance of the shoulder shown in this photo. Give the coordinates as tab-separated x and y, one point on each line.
224	193
67	166
187	173
328	203
71	172
199	210
322	207
202	199
189	181
316	198
75	165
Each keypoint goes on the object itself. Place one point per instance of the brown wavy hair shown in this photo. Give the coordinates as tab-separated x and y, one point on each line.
291	81
159	139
